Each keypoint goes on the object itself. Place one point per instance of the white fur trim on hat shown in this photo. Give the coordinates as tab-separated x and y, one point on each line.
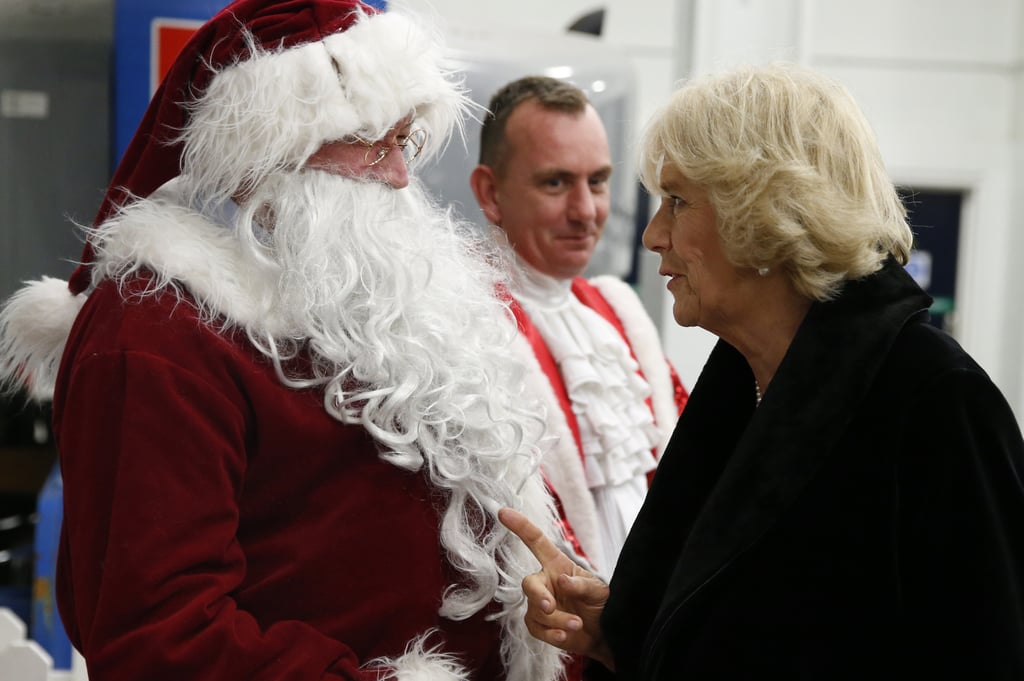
34	326
275	109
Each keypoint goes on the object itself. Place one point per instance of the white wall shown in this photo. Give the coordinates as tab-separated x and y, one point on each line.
942	83
649	33
646	30
1015	343
941	80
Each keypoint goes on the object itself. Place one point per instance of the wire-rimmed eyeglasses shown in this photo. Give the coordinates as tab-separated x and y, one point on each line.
410	144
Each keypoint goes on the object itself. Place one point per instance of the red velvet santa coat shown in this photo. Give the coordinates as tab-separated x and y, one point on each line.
226	525
219	526
273	532
563	466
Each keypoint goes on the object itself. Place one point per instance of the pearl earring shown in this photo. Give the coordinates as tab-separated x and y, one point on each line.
763	271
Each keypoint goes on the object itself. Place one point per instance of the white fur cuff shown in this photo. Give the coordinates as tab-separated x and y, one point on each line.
420	663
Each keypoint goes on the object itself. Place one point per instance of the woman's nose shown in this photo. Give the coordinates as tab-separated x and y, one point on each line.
653	237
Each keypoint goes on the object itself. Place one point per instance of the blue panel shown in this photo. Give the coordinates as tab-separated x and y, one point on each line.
46	628
132	55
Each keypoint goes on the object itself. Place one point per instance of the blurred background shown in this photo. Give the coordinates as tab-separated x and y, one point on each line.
942	81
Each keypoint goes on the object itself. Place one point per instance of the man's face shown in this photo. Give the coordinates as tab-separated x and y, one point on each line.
551	197
380	161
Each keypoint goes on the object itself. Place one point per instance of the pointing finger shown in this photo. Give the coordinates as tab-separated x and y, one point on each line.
543	549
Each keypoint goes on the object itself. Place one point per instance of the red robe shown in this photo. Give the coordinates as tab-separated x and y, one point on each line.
616	302
238	531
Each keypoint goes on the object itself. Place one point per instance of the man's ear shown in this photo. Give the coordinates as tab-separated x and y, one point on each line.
485	188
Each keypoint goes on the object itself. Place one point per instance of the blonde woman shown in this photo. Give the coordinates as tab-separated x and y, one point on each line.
842	496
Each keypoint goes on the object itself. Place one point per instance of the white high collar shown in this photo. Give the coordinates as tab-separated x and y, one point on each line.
617	430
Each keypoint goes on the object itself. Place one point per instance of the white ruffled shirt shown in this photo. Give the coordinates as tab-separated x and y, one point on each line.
608	396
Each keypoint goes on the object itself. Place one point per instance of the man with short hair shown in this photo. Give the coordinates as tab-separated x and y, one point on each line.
282	400
595	357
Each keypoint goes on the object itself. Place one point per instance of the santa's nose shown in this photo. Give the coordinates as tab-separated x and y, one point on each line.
392	170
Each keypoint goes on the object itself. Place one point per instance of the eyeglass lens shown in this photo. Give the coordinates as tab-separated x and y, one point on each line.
411	146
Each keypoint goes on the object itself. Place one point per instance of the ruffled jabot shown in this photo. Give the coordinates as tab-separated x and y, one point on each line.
608	397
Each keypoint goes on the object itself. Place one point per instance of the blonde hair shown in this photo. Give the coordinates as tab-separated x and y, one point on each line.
792	168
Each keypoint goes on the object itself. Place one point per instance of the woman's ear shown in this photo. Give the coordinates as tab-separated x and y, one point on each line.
485	188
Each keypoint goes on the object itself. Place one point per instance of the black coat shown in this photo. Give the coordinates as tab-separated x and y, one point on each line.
865	522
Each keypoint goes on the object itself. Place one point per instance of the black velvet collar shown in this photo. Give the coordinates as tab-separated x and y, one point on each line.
830	366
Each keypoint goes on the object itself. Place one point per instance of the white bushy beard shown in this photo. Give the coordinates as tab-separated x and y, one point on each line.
395	302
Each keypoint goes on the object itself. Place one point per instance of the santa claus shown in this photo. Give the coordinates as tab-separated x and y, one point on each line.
282	400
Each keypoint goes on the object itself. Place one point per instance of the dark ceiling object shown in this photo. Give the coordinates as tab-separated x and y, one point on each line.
591	22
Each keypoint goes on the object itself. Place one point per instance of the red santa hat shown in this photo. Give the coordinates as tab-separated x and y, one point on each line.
264	83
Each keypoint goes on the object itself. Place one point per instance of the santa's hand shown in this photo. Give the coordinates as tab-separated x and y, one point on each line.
564	601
